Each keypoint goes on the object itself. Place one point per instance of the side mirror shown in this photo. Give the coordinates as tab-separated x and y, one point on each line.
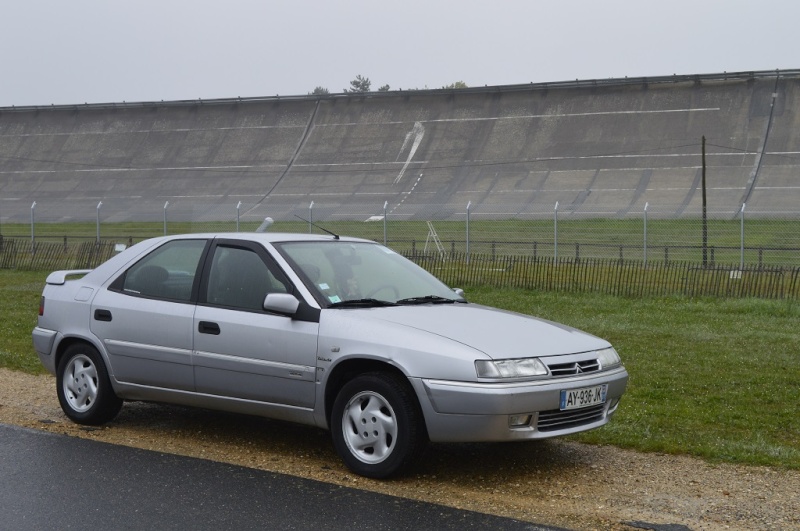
283	303
459	292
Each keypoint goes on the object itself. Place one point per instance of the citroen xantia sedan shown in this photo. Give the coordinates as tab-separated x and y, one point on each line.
340	333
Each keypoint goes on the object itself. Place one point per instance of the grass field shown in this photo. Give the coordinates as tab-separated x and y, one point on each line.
715	378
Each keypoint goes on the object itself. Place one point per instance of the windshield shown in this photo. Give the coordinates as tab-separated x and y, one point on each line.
352	274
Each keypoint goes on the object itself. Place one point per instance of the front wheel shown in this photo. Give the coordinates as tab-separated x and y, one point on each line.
376	424
83	387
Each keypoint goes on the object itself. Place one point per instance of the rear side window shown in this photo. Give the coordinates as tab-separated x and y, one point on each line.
167	273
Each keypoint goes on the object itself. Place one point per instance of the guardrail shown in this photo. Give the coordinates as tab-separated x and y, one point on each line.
538	86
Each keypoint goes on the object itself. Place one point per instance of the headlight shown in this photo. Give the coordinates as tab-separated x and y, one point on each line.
608	358
518	368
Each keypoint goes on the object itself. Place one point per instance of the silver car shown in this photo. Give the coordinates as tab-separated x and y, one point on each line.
340	333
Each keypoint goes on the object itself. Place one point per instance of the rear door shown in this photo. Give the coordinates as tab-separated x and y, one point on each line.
241	350
144	318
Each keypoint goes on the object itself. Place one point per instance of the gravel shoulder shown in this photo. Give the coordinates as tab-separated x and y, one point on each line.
555	482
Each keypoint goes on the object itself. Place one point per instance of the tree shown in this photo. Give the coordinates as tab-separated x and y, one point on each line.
359	84
456	85
320	91
384	88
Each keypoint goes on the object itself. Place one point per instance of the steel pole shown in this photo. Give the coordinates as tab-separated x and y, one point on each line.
555	233
644	254
98	220
33	229
741	252
238	207
385	204
165	217
469	204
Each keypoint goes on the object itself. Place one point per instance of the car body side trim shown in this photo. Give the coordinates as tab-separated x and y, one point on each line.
145	351
256	366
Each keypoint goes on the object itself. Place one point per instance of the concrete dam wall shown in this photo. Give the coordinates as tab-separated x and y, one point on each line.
598	149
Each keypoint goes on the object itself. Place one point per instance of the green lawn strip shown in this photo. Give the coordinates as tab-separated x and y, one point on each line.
20	292
716	378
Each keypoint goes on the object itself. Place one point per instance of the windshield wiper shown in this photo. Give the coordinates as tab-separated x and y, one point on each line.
427	299
361	303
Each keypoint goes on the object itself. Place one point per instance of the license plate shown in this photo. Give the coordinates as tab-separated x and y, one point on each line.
584	397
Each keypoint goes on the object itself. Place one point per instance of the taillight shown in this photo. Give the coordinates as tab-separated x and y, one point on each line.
41	306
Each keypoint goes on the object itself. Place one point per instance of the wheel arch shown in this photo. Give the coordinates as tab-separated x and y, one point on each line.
348	369
68	341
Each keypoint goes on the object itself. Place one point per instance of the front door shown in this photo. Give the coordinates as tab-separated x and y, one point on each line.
241	350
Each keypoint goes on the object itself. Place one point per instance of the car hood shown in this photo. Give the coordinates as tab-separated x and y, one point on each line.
497	333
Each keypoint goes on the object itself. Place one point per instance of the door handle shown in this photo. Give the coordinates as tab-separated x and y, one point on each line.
102	315
207	327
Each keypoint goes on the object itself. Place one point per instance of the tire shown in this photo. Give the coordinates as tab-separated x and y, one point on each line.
83	387
377	426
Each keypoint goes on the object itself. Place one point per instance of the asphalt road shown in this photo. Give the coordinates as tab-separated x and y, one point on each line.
50	481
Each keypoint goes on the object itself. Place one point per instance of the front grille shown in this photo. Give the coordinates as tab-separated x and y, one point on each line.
576	367
561	420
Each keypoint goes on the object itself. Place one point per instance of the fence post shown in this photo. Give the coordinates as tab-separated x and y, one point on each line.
644	253
165	217
385	204
469	204
238	208
33	231
555	233
741	252
98	220
311	217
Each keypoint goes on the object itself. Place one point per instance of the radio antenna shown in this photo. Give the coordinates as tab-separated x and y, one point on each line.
335	236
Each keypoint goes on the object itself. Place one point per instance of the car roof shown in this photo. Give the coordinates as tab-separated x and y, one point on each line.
266	237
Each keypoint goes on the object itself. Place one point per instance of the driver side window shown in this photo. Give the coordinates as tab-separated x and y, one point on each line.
240	279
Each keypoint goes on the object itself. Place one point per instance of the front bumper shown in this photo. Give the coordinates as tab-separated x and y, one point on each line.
481	412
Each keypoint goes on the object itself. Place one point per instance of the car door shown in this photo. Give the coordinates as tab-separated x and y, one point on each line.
144	318
241	350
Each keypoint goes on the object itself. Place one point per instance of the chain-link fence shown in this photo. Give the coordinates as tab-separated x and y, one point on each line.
744	253
757	238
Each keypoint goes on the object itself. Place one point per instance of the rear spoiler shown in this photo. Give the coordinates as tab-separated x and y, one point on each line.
60	277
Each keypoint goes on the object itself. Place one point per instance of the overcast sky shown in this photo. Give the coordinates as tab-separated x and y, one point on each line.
97	51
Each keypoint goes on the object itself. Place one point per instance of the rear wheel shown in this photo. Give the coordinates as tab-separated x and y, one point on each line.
376	425
83	387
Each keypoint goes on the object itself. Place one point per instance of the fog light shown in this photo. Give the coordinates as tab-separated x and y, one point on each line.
612	405
517	421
